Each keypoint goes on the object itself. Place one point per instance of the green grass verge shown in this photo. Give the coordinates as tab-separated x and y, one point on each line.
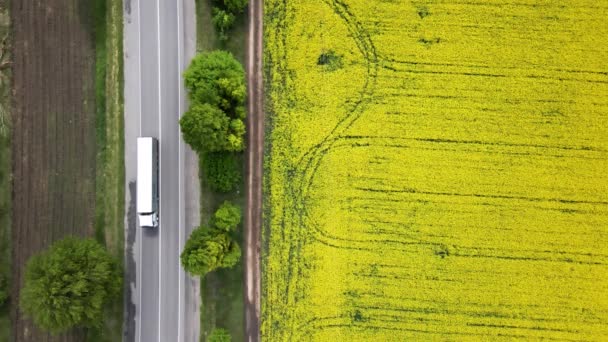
109	209
5	225
206	38
222	302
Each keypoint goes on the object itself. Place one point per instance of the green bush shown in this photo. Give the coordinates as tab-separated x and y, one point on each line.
217	92
211	247
219	335
217	78
208	249
207	129
69	284
223	22
221	171
227	217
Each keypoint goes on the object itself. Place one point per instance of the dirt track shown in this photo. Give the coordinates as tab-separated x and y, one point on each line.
255	151
53	134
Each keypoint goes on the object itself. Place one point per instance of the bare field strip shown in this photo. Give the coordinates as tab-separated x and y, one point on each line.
435	170
53	143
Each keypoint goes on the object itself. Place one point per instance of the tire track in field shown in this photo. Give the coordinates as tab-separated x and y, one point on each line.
326	238
349	142
297	231
304	171
277	82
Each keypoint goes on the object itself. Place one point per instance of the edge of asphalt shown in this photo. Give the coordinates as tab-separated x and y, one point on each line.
191	193
131	105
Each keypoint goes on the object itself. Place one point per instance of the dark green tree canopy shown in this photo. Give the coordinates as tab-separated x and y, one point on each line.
235	6
221	170
69	284
219	335
223	22
217	78
207	250
207	129
214	122
227	217
224	15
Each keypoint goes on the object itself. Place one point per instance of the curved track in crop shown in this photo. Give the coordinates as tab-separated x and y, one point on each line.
437	175
304	171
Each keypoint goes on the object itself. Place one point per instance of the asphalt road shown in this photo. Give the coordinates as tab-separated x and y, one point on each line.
158	43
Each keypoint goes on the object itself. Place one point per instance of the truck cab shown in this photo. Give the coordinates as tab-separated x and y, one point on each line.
148	220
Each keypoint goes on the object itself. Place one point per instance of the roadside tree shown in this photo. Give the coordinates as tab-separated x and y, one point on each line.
224	15
207	129
69	284
215	120
207	250
217	78
227	217
223	22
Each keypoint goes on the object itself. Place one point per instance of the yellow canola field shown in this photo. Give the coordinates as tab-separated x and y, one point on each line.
436	170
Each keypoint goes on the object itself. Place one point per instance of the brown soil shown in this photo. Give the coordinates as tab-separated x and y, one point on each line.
53	135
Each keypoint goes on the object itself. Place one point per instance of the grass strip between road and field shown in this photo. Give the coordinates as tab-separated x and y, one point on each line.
5	224
222	303
109	208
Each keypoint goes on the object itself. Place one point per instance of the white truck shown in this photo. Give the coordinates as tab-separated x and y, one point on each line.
147	182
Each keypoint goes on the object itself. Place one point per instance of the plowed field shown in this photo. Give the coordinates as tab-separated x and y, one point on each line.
53	134
436	170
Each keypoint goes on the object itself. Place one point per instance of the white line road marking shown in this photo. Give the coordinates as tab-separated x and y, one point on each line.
179	175
139	64
139	232
160	172
181	224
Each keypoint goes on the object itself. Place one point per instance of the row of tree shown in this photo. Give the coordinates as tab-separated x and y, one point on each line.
214	126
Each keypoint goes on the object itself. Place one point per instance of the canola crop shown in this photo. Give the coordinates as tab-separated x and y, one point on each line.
435	170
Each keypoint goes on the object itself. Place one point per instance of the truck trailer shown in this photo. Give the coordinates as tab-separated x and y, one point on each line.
147	182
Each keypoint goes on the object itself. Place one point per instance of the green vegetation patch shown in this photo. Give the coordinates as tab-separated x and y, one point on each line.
69	284
219	335
222	171
221	291
109	210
